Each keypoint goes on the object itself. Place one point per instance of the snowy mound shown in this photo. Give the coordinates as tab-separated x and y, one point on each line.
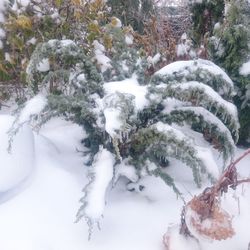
17	165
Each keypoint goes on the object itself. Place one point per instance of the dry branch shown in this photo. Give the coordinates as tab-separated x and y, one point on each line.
203	217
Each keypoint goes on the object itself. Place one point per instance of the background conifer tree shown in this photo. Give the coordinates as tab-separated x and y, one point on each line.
230	49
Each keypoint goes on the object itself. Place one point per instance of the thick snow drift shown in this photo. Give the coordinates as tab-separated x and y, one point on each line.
42	216
17	164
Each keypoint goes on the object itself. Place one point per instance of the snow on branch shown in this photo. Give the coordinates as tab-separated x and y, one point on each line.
163	141
212	128
199	94
197	70
202	155
100	176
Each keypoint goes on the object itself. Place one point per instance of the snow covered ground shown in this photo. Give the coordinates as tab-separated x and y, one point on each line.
39	213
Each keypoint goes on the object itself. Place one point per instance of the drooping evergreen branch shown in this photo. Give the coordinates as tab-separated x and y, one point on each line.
199	94
163	141
205	122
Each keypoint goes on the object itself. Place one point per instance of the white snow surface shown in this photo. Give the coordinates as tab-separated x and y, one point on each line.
40	215
124	169
129	39
193	65
165	128
102	60
206	155
129	86
245	69
32	107
177	241
113	122
16	165
43	66
155	59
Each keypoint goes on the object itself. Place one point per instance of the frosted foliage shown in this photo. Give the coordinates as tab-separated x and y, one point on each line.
191	66
101	175
213	95
203	154
212	98
211	119
39	62
171	104
164	128
220	50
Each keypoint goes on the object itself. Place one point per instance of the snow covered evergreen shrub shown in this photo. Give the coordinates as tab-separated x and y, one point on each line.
135	123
